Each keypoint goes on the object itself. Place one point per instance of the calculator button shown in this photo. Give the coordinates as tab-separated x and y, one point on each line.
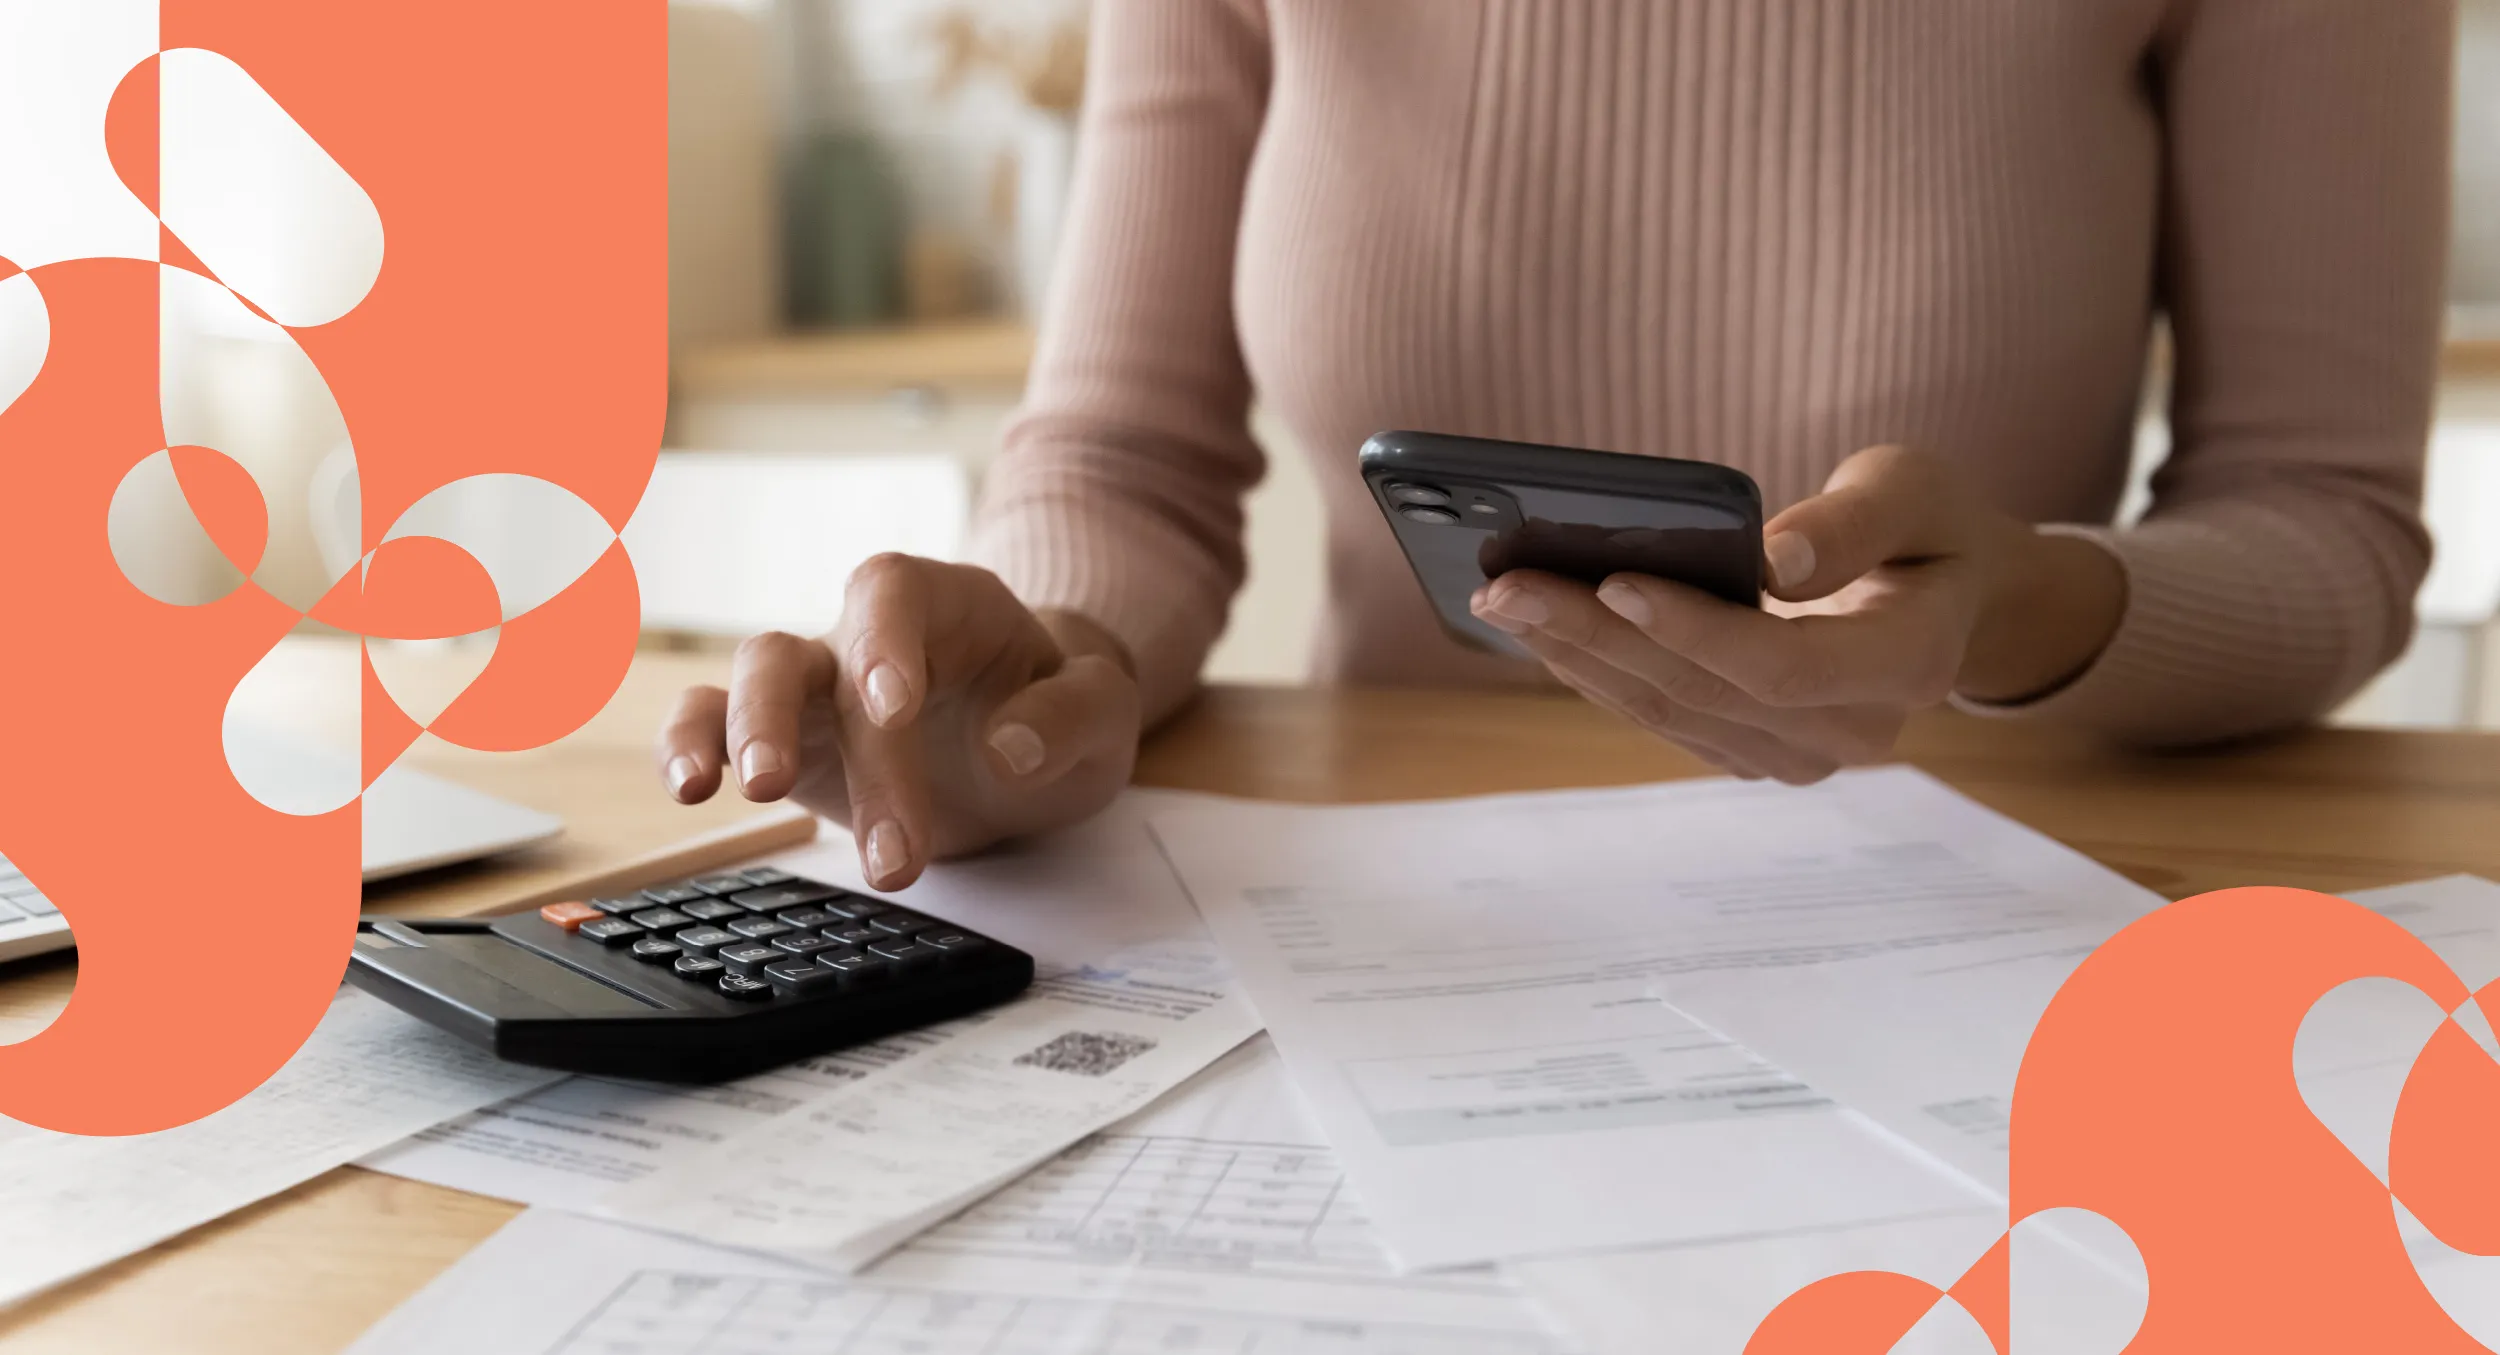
702	967
856	968
750	957
662	919
853	934
808	918
767	875
903	954
758	928
801	978
653	950
36	904
857	906
744	989
773	898
802	944
711	910
705	940
612	931
721	884
570	916
901	922
620	907
953	944
673	894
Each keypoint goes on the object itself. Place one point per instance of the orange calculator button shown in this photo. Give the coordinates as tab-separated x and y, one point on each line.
570	915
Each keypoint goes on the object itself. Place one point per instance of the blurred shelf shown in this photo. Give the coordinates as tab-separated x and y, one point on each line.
976	356
992	356
2474	359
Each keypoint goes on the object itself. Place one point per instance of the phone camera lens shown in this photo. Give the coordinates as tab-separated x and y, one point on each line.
1423	495
1426	513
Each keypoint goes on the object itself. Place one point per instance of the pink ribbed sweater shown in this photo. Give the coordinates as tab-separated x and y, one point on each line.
1768	233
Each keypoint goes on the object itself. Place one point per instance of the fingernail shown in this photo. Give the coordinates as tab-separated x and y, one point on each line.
1521	605
1791	557
1625	601
887	853
1020	746
1484	612
884	693
759	760
680	771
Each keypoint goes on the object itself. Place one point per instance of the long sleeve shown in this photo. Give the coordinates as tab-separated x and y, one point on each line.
2302	254
1118	494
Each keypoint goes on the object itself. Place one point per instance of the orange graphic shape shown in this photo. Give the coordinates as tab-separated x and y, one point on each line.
133	131
1860	1312
1985	1291
518	325
2443	1156
2157	1091
226	500
555	665
414	588
388	731
127	808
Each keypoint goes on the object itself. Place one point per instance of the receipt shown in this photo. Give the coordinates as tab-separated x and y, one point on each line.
861	1169
368	1076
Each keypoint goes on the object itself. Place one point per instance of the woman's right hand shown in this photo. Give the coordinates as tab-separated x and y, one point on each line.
941	716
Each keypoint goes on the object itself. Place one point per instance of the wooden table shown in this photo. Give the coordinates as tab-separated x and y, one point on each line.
309	1270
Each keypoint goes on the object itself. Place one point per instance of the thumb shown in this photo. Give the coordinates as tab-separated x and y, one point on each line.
1088	709
1883	504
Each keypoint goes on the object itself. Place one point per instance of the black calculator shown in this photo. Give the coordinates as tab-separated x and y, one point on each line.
704	979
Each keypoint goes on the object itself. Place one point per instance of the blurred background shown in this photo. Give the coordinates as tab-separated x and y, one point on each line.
865	203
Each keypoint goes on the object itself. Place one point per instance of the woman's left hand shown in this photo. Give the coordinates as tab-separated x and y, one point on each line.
1906	587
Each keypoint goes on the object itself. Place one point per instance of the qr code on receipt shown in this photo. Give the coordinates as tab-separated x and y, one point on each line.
1088	1055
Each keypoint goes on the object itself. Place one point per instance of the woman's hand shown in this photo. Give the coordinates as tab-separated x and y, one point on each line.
940	717
1908	587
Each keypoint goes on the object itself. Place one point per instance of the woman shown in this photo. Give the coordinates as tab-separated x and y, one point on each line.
1898	259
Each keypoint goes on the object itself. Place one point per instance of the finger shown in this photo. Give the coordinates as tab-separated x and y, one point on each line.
886	771
1087	709
885	611
1579	618
1715	757
1883	504
692	747
1640	703
769	684
1848	734
1903	650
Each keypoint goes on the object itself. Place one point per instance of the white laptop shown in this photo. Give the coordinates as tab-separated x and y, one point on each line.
411	822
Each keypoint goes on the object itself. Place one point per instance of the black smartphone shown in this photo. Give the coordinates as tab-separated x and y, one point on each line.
1470	509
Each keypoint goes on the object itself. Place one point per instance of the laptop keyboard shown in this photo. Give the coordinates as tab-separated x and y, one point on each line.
20	901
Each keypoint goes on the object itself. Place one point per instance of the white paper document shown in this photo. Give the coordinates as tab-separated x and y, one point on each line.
369	1075
1464	992
1219	1195
854	1173
1065	899
1928	1042
568	1144
1213	1221
556	1284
